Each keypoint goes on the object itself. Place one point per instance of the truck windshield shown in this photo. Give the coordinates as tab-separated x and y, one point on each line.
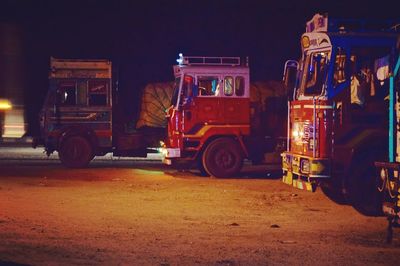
314	73
174	99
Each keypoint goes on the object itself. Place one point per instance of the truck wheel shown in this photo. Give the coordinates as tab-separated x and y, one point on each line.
75	152
363	192
334	192
223	158
201	168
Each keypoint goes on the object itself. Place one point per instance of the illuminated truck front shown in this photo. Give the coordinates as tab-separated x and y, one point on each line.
174	126
310	118
210	115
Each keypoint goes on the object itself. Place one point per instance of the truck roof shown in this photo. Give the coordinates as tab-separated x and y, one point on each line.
321	23
80	68
322	40
210	65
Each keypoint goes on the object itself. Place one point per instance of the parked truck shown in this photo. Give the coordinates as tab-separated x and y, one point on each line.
79	118
337	115
213	104
214	124
388	178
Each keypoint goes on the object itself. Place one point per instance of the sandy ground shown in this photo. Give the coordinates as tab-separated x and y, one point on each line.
146	214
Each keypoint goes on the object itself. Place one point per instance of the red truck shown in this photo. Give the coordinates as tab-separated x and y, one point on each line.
212	122
337	122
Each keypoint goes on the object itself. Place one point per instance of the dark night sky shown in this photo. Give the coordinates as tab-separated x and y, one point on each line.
144	38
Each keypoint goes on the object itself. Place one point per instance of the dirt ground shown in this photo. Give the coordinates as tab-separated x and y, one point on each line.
151	215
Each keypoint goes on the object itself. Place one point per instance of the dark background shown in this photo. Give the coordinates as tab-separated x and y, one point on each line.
143	39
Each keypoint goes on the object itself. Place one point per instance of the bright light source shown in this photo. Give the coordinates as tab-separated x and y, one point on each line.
14	123
14	126
5	104
383	174
180	59
162	144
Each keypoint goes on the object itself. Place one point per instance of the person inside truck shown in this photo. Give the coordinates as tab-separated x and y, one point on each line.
202	91
367	79
356	95
208	86
381	72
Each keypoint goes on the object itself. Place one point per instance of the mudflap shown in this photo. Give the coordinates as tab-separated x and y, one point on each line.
389	209
293	180
393	218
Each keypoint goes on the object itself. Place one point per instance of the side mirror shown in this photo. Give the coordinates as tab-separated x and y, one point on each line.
289	77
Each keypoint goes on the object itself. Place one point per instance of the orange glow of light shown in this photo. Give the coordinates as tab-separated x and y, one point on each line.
14	126
5	104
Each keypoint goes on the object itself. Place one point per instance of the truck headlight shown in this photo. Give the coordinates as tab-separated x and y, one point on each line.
305	166
5	104
383	174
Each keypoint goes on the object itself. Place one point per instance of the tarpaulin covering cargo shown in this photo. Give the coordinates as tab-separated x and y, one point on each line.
156	99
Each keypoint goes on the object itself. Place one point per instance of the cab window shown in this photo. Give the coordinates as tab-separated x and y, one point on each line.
98	90
174	99
316	66
239	86
340	64
228	86
186	93
208	85
66	94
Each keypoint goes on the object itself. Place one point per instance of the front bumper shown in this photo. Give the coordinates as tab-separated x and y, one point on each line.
388	183
168	154
304	172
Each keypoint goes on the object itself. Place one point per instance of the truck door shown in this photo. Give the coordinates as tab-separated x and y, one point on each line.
205	107
235	105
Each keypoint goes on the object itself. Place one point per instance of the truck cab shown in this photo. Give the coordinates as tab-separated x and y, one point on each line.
336	121
210	114
78	117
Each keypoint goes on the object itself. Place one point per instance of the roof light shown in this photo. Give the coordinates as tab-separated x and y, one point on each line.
180	59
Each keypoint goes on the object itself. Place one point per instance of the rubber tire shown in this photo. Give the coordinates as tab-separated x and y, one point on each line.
223	158
75	152
334	192
201	168
363	181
